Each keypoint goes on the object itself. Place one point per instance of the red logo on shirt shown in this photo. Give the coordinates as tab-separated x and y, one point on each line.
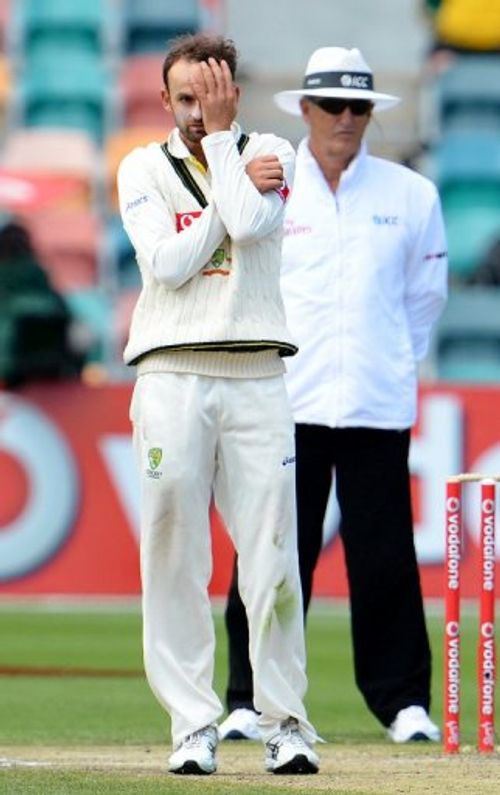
283	192
184	220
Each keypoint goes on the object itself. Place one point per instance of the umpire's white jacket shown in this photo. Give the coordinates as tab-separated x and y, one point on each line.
364	278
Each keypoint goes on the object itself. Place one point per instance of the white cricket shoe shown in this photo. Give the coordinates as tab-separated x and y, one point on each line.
288	752
413	724
196	753
240	724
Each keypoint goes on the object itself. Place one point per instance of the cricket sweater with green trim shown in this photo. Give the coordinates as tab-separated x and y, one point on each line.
210	274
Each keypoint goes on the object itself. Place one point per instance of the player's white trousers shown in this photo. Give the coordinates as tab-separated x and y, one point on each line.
198	437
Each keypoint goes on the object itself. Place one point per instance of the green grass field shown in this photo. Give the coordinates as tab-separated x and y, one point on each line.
72	708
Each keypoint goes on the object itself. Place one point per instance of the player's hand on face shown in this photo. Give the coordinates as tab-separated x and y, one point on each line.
266	173
213	86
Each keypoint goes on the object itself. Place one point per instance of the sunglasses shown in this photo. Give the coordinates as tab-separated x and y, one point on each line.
358	107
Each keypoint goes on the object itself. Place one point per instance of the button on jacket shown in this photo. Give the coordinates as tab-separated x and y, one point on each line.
364	278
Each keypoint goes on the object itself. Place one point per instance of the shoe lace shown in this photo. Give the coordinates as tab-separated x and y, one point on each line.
289	734
195	739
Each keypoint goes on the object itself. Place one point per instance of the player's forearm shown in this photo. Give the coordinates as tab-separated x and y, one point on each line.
179	257
174	256
246	213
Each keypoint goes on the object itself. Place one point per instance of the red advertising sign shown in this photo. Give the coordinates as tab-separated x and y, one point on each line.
69	495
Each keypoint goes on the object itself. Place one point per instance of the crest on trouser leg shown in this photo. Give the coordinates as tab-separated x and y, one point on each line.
155	455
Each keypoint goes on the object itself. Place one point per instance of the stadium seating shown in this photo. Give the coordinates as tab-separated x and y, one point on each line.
5	86
60	152
467	156
471	229
75	95
92	308
140	87
76	64
468	94
121	254
467	172
25	191
472	219
5	22
148	25
120	143
467	339
48	24
468	362
70	245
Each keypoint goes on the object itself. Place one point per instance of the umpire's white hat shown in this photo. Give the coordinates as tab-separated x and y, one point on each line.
336	72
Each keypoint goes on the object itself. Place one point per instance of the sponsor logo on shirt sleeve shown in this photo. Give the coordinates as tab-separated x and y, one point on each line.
184	220
435	255
133	204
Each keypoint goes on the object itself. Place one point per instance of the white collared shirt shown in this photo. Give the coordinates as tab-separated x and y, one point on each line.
364	278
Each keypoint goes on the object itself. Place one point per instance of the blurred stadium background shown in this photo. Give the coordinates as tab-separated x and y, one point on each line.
79	87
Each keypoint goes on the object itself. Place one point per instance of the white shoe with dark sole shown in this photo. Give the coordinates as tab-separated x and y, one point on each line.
413	724
288	753
240	724
195	756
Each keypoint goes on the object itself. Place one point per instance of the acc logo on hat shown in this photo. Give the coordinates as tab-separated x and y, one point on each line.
355	81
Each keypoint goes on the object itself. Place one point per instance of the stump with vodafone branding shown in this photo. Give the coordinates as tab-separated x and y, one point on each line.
486	658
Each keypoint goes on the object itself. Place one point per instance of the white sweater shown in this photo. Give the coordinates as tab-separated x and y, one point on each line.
364	278
210	276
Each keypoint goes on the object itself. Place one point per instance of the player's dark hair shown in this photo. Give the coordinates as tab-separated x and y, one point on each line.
200	47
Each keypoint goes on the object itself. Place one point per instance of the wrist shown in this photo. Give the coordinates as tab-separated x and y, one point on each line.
217	127
217	136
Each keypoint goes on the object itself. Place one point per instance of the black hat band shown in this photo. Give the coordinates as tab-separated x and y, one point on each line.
357	80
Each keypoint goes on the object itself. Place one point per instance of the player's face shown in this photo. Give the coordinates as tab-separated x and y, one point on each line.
180	100
340	132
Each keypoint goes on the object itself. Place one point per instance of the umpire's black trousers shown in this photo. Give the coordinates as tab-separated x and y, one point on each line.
390	643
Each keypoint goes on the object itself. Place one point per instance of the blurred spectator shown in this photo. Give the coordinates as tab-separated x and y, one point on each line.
488	269
35	323
462	27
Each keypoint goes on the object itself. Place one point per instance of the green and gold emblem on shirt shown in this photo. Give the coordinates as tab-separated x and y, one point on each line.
220	262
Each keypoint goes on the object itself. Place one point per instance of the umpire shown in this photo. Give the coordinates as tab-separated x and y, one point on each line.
363	279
